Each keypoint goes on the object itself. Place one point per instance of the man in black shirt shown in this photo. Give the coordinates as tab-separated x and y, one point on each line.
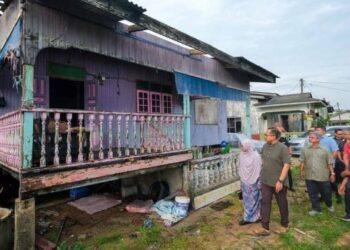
339	164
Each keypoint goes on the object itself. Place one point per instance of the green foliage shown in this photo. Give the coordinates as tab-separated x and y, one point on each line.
114	238
76	246
321	122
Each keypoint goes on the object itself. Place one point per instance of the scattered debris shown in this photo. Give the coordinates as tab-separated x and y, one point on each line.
139	206
307	235
82	236
148	223
221	205
61	229
49	213
43	244
95	203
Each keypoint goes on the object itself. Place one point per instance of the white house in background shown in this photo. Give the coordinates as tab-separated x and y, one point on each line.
342	118
296	112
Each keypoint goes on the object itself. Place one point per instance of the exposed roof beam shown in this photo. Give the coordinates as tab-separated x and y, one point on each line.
135	28
156	26
196	52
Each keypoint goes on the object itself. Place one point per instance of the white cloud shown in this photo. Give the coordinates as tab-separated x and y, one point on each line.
293	39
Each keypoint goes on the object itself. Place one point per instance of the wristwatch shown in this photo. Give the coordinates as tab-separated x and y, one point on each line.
280	181
332	173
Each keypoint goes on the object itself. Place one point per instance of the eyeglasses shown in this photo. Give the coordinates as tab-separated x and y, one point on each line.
269	134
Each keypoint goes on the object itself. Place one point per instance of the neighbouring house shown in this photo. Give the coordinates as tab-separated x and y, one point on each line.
297	112
340	118
88	98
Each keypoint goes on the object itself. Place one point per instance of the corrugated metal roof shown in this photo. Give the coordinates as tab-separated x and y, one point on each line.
292	98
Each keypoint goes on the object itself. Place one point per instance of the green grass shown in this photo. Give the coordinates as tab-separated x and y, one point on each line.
203	232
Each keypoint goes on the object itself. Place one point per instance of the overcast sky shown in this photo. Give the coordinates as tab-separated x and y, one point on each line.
293	39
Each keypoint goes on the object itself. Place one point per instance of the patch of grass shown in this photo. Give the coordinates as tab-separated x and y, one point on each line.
76	246
113	238
149	235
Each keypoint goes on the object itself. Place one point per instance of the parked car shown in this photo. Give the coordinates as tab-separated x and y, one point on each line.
330	131
301	141
297	143
235	139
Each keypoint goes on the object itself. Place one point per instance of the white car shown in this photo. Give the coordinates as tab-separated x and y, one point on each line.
235	140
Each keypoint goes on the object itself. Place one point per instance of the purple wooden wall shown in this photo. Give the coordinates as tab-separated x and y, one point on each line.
107	94
11	94
57	29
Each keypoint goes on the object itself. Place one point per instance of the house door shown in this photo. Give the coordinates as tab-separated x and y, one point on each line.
284	120
66	94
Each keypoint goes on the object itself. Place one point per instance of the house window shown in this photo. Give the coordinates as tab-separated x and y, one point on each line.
156	102
159	100
167	103
234	125
142	101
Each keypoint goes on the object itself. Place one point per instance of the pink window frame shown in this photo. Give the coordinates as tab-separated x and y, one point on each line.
149	99
138	99
171	103
160	102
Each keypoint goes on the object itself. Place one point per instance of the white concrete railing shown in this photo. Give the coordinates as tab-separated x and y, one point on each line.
10	139
212	172
80	136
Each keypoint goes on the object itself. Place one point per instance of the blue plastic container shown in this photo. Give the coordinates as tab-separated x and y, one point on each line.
77	193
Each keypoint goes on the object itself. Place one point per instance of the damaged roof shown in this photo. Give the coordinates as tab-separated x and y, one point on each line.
125	10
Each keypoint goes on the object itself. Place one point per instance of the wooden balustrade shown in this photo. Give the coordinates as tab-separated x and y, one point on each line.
212	172
72	136
10	140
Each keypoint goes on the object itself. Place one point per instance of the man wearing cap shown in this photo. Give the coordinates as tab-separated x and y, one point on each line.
316	164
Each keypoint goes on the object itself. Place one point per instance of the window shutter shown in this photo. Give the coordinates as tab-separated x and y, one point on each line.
39	90
91	94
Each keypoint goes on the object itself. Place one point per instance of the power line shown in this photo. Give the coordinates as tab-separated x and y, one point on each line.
317	86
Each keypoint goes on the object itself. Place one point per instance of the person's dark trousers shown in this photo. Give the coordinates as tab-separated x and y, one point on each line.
281	198
315	188
338	169
290	179
347	200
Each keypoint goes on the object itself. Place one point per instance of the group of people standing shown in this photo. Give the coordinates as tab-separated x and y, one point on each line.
324	165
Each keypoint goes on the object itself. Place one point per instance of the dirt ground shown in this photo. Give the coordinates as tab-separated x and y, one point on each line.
211	227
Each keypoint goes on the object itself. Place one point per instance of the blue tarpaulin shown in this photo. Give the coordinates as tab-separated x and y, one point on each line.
195	86
13	41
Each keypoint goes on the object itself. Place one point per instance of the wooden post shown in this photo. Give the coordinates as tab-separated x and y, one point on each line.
56	159
69	138
24	224
80	155
28	120
43	140
247	112
187	124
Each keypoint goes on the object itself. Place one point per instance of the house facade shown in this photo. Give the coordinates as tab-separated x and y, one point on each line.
296	112
89	99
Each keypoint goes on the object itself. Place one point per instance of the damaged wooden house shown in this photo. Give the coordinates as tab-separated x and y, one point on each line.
93	91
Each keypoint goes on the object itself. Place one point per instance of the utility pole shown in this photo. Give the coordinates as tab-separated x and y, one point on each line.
301	85
339	112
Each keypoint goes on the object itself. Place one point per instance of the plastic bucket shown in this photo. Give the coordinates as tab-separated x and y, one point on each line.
181	206
5	228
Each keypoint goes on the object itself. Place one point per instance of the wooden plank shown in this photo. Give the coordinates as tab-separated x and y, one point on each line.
135	28
68	179
207	198
196	52
187	124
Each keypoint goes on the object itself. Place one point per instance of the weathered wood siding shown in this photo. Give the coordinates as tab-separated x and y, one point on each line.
11	93
51	28
126	75
202	135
